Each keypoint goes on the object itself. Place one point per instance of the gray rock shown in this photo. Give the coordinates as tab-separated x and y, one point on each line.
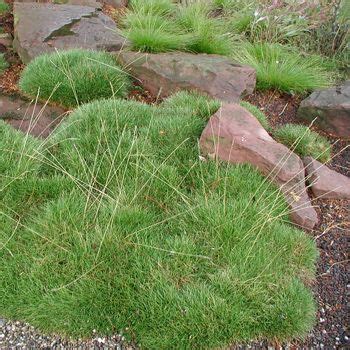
41	28
91	3
331	107
165	73
35	118
324	182
234	135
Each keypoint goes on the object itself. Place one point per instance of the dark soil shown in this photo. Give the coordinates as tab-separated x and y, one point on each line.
281	109
332	236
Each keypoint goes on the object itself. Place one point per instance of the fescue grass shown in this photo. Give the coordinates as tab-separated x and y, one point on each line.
4	7
208	34
160	26
304	141
152	7
154	33
73	77
281	68
3	63
116	224
257	113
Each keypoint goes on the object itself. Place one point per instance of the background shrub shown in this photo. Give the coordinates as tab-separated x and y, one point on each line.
304	141
74	77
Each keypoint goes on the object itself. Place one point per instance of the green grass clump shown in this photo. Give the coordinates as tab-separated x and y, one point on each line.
304	141
117	224
160	26
74	77
154	33
152	7
3	63
4	7
257	113
207	32
277	67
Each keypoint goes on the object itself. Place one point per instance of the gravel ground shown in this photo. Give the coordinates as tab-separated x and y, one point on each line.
18	335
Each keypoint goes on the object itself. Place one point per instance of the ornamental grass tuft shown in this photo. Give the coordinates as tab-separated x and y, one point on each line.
73	77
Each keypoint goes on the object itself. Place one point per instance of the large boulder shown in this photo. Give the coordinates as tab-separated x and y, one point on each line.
331	108
41	28
324	182
165	73
234	135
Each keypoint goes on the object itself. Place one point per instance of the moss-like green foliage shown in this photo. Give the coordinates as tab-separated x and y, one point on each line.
278	67
74	77
3	63
116	222
304	141
258	114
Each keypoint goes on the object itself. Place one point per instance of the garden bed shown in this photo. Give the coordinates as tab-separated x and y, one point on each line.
123	213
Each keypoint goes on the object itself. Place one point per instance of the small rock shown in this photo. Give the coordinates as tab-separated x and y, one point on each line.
324	182
331	108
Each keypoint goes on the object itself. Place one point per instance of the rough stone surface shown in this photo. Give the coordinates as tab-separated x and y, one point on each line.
233	134
331	107
91	3
30	117
41	28
324	182
165	73
5	42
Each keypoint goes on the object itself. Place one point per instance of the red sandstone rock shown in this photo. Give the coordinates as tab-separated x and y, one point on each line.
165	73
324	182
233	134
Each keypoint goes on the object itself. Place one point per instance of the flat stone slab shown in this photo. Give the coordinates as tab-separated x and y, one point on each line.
324	182
41	28
91	3
166	73
36	119
331	108
235	135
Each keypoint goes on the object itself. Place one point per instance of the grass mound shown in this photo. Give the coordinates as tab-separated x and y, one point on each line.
304	141
73	77
115	223
277	67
